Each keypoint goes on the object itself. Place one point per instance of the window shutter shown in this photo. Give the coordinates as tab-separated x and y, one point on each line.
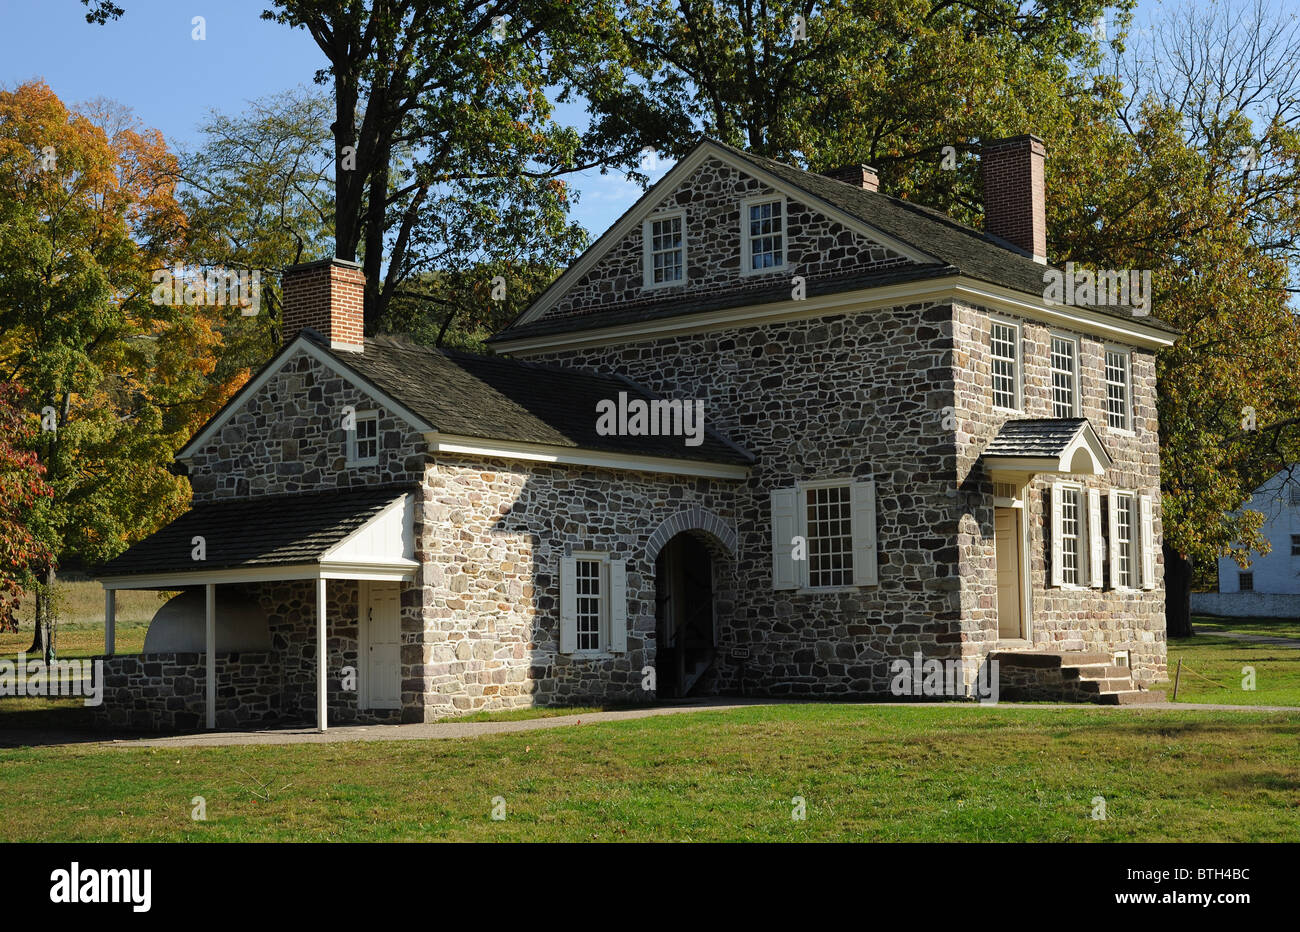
1056	533
1096	541
1148	544
568	605
1113	507
618	606
784	511
863	500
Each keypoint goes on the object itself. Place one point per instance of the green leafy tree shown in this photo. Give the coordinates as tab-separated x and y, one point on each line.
25	556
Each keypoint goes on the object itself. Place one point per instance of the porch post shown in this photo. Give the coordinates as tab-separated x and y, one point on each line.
322	712
110	621
212	654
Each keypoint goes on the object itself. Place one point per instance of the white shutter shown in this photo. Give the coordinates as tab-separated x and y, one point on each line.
785	503
863	501
1056	533
1113	505
568	605
1096	541
618	606
1148	544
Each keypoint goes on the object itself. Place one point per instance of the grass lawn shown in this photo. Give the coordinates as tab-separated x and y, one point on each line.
1269	627
80	607
1221	661
933	773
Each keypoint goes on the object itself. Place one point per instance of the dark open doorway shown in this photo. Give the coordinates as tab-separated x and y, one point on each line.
684	625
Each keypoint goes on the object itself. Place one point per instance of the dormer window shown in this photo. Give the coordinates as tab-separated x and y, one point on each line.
665	249
762	235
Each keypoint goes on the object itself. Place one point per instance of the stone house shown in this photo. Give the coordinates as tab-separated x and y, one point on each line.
773	434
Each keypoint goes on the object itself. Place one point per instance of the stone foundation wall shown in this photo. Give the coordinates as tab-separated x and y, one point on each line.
168	692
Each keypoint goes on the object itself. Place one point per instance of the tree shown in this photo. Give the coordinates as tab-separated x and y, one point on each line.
24	555
441	110
87	213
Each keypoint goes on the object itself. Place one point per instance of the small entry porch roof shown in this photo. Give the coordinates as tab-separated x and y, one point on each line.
1061	446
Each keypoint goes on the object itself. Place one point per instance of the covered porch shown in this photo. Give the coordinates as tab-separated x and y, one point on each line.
266	585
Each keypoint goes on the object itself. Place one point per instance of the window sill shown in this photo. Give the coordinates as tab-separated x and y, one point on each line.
1121	431
590	655
998	409
826	590
659	286
766	270
361	464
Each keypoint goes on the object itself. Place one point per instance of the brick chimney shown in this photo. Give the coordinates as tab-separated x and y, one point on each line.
328	296
1014	208
860	176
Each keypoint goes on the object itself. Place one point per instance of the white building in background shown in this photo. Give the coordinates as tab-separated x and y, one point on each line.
1270	586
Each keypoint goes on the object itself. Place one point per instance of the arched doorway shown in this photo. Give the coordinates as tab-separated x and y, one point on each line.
685	629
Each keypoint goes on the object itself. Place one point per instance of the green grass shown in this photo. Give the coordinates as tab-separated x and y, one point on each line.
80	608
932	773
1213	666
520	715
1268	627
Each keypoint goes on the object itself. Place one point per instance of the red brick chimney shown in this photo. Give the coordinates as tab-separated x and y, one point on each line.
860	176
328	296
1014	208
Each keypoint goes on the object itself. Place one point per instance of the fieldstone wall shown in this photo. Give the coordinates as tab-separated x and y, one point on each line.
1061	618
844	396
168	691
495	534
816	246
288	437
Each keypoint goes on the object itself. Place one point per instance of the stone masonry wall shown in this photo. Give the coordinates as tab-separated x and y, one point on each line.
817	247
844	396
1061	618
496	533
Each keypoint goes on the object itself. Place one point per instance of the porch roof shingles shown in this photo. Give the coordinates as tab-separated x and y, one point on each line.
280	530
1032	437
495	398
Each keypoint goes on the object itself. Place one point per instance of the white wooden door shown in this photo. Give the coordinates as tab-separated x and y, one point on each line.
383	647
1006	538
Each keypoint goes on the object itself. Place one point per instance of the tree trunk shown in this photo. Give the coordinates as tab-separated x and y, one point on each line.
1178	595
51	622
38	636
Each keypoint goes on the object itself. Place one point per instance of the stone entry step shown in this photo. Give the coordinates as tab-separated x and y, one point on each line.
1068	676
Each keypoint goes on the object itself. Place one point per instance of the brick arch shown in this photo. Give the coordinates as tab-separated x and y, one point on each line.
694	518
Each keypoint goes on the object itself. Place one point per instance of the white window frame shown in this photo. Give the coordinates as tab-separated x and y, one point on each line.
1052	338
789	519
1106	381
746	241
801	522
603	621
1134	540
647	249
1017	374
354	442
1081	542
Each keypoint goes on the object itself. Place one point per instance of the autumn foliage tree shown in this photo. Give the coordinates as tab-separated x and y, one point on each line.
87	214
24	555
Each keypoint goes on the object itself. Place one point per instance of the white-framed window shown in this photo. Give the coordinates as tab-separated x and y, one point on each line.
824	535
363	439
664	237
1246	582
1004	349
1119	391
593	604
1125	525
1065	376
1071	535
762	235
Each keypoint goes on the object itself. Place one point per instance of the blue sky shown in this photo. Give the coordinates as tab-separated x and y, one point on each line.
149	61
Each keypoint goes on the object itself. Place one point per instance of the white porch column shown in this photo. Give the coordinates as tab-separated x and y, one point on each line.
322	710
110	621
212	654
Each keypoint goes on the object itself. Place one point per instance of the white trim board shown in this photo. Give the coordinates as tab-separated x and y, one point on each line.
961	289
548	453
393	571
631	221
322	356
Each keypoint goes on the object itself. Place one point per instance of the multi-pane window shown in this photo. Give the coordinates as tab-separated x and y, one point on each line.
1070	536
765	235
1246	582
829	536
1295	545
587	585
363	439
667	250
1004	345
1118	394
1064	373
1125	522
